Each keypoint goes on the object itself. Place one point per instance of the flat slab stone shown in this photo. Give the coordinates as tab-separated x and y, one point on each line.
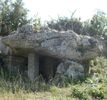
63	45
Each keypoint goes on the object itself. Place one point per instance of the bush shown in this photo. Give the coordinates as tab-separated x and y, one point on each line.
97	92
64	23
79	93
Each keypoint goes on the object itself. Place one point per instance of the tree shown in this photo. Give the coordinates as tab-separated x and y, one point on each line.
12	15
19	15
96	26
37	24
4	16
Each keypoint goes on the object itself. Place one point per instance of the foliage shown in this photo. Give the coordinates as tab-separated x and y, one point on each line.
98	66
98	72
12	15
97	25
97	92
37	24
62	81
18	15
88	90
63	23
81	94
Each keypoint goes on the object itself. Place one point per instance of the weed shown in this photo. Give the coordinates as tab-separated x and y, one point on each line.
79	93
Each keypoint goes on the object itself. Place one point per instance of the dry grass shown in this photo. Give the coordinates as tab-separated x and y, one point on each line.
15	88
58	94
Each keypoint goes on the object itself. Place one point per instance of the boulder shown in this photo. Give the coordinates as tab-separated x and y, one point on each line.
70	69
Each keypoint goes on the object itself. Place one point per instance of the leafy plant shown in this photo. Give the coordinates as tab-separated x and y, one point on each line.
64	23
37	24
12	15
79	93
97	92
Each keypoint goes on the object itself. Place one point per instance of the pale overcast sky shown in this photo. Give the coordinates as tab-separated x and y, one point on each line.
48	9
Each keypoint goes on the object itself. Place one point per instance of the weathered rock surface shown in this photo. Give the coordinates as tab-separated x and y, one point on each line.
70	69
63	45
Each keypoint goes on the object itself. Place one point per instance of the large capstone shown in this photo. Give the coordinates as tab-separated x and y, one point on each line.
63	45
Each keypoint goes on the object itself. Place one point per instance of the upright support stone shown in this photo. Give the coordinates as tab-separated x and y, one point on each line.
10	62
33	66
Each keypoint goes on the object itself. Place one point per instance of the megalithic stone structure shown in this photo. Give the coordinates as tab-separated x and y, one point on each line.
67	46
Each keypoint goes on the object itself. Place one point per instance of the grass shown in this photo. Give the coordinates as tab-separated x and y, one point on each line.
93	88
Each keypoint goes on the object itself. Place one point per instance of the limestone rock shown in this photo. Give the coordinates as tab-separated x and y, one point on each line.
63	45
70	69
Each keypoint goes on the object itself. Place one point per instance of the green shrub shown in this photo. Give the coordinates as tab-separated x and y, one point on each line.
79	93
97	92
62	81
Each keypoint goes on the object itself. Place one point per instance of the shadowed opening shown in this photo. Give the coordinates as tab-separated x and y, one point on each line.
47	66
